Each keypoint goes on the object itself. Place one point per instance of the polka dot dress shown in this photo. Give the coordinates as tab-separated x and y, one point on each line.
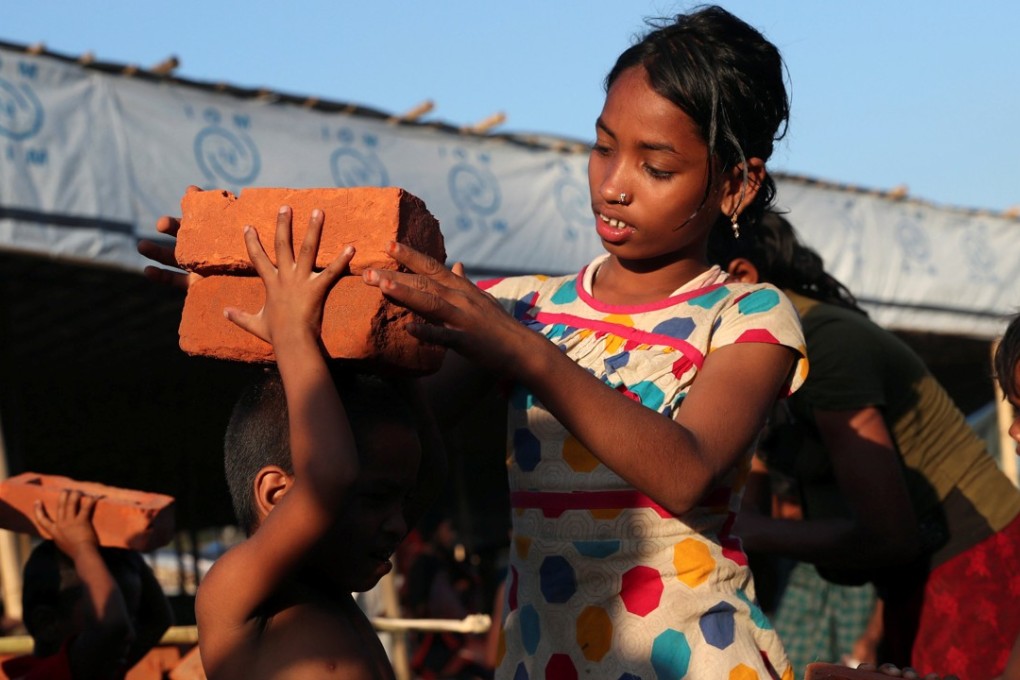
603	582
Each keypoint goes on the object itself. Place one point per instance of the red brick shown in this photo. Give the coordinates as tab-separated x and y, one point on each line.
358	323
123	518
190	667
210	238
155	663
831	671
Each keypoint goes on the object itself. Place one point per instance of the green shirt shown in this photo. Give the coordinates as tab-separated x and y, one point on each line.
958	492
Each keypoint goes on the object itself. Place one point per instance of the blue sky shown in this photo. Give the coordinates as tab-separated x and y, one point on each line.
885	92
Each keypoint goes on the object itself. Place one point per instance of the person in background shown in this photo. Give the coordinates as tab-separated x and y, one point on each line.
93	612
1007	373
896	487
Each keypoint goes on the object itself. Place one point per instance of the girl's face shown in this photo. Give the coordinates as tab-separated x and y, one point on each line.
647	148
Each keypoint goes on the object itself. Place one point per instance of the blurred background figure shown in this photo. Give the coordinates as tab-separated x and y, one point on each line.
896	489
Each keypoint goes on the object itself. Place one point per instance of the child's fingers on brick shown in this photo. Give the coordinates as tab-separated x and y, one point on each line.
419	262
414	291
257	254
310	245
62	503
42	520
283	240
168	225
88	505
335	269
246	321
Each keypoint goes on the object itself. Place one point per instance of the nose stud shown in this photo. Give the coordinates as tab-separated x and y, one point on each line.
623	198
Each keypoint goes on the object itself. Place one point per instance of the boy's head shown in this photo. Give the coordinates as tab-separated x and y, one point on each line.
371	523
53	595
1007	372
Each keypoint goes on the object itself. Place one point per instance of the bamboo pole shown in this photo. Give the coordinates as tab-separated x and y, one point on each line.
10	555
391	608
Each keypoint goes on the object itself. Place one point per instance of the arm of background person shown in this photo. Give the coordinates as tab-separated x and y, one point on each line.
882	529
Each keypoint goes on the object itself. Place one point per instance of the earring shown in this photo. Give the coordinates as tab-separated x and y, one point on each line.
735	224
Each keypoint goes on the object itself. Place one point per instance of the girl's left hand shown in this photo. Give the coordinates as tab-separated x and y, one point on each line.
461	316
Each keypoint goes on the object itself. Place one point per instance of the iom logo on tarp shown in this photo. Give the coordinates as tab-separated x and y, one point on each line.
918	257
227	156
353	167
21	113
476	193
980	256
573	203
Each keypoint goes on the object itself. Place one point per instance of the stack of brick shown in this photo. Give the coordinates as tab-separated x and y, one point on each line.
123	518
359	323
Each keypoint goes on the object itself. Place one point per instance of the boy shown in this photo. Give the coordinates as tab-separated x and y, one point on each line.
320	484
92	612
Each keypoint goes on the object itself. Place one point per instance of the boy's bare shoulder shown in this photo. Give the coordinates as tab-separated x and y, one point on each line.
297	635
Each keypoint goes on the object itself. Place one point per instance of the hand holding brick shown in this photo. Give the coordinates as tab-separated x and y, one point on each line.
123	518
359	323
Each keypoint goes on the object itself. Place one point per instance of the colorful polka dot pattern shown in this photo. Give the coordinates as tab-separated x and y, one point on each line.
604	583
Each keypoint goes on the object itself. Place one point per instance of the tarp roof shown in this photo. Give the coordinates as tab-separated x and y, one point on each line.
92	153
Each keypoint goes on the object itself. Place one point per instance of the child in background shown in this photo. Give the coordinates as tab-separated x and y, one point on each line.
93	612
322	470
1007	372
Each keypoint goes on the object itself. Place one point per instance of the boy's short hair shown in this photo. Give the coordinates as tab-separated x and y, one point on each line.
258	434
50	578
1007	357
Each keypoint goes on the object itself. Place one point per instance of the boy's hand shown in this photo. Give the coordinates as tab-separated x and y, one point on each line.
295	292
72	528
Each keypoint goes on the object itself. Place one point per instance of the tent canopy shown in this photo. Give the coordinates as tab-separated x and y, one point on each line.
94	153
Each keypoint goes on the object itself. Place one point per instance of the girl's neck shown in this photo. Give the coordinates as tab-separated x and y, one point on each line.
630	282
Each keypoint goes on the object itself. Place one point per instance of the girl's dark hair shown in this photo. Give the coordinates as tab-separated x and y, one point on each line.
781	259
728	78
1007	357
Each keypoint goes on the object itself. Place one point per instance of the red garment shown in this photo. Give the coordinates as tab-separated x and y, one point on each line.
30	667
980	586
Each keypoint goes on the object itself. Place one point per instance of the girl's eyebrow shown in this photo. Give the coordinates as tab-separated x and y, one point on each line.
650	146
601	124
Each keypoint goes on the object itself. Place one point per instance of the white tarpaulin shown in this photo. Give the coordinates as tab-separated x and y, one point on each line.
90	157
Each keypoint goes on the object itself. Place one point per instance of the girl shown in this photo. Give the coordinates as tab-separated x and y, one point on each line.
896	488
640	383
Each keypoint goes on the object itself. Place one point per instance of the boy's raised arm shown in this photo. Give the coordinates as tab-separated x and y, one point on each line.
324	458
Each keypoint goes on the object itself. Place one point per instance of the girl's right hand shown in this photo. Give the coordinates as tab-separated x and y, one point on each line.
460	315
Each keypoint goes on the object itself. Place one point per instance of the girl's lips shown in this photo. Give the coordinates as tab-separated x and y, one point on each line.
610	233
